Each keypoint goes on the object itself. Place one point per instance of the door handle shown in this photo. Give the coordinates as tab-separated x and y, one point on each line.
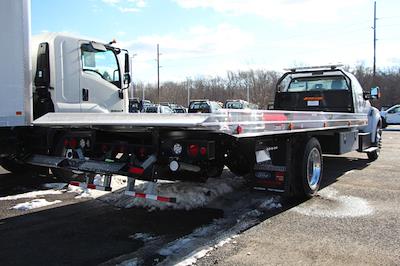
85	95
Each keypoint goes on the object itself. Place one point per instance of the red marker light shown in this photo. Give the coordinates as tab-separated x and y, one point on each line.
193	150
239	129
136	170
66	143
73	143
203	151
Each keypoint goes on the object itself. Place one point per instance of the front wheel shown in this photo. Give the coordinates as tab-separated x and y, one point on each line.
384	124
311	168
372	156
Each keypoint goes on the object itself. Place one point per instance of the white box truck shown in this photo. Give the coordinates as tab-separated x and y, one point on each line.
52	73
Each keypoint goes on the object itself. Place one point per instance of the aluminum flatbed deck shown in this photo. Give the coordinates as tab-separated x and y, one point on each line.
238	123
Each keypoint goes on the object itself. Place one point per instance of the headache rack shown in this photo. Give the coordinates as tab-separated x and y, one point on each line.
323	67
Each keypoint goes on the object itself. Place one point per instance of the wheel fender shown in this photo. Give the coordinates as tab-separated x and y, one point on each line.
374	120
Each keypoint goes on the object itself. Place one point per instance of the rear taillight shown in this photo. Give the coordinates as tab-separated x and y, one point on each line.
193	150
203	151
66	143
239	129
136	170
73	143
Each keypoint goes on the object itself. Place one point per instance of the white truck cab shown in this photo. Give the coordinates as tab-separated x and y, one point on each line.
329	89
75	75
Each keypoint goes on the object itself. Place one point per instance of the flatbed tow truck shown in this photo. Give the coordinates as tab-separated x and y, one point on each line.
319	110
276	150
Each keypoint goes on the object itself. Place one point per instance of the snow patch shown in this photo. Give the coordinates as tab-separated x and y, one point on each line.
34	204
142	236
334	205
117	182
177	245
193	258
270	203
132	262
32	194
188	195
349	172
56	186
190	242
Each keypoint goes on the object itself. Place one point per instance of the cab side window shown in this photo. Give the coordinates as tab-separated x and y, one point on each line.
102	64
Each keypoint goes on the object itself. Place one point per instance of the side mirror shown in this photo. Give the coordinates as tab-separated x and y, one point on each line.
375	93
127	68
127	79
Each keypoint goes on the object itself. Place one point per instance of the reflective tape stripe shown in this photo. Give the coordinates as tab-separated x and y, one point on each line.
150	196
90	186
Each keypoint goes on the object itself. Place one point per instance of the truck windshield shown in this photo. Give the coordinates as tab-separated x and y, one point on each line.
317	84
101	63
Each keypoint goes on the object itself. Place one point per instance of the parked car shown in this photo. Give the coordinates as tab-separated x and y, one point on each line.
203	106
179	109
158	109
239	104
391	116
134	105
144	104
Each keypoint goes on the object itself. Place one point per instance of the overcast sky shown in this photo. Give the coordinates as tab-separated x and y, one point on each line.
209	37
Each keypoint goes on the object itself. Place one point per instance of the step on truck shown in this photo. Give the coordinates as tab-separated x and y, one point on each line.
320	110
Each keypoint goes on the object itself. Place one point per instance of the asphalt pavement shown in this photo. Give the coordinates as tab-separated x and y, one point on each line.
354	220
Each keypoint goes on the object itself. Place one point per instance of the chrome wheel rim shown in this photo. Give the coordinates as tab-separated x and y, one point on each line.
379	138
314	168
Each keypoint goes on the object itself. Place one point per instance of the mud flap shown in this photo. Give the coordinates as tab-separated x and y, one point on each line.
275	166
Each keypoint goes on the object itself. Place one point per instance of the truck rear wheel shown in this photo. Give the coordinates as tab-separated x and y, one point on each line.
13	166
311	169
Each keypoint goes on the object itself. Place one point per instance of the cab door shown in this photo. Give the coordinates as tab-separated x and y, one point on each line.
393	116
100	79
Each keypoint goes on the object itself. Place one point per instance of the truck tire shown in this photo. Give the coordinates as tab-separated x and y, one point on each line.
372	156
215	171
384	124
311	169
13	166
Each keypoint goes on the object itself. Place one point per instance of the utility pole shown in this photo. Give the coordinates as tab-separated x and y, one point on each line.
188	92
158	72
132	87
374	69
